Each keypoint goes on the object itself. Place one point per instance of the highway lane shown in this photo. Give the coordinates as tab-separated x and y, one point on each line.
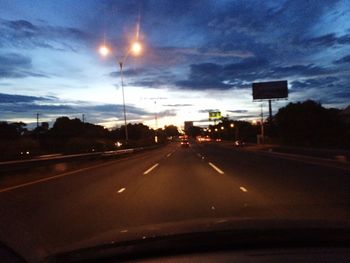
165	185
296	189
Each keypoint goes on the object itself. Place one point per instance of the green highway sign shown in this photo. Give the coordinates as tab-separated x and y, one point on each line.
214	115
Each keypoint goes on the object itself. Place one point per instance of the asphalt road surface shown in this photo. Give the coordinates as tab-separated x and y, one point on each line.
166	185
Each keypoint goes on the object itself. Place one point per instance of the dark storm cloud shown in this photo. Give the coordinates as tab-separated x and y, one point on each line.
317	83
27	106
13	65
202	77
113	109
152	78
240	75
268	19
328	40
237	111
299	70
7	98
343	60
214	76
330	90
26	35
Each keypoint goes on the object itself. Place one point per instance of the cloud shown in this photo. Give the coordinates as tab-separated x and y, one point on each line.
26	35
343	60
316	83
202	77
327	40
203	52
113	109
129	72
7	98
177	105
237	111
166	113
13	65
240	75
25	107
207	110
299	70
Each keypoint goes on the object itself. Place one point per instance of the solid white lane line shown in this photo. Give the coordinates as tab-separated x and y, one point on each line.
151	168
121	190
216	168
243	189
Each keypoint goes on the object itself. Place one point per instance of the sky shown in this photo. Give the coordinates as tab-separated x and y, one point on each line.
197	56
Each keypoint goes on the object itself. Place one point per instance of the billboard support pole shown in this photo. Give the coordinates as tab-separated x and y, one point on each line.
270	112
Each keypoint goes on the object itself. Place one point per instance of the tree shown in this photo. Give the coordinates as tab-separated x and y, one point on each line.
66	128
194	131
309	124
171	131
12	130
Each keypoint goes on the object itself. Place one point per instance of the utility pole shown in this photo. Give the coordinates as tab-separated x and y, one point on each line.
37	120
83	117
156	122
270	112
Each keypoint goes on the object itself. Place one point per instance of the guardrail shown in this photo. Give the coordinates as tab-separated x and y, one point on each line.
54	158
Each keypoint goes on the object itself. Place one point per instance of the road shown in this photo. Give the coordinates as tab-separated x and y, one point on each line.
166	185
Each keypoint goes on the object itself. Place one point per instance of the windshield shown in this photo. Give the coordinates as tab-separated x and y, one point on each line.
118	115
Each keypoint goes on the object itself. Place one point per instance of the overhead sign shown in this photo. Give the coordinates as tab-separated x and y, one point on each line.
214	115
270	90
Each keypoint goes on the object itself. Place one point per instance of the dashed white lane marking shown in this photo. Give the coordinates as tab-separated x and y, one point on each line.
243	189
121	190
216	168
151	168
169	154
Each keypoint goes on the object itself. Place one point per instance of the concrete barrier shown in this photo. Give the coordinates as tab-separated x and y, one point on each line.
57	158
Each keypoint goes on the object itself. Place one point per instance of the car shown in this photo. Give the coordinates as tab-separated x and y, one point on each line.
185	143
239	143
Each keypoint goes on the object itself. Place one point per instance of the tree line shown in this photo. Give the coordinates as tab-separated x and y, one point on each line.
306	124
74	136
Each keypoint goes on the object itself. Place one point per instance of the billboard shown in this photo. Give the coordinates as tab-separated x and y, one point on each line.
270	90
214	115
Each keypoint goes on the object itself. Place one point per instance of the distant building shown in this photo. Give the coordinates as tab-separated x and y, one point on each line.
345	115
188	125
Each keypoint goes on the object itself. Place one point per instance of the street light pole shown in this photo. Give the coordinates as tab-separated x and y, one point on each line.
135	48
121	64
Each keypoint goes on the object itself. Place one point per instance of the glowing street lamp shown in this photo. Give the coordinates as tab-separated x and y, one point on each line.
222	127
135	49
104	50
232	125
